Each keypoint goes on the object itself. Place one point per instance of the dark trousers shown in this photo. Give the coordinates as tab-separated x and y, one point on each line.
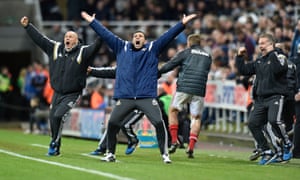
126	128
59	111
296	150
151	109
267	110
288	114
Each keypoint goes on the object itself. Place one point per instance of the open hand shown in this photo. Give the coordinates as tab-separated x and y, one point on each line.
186	19
87	17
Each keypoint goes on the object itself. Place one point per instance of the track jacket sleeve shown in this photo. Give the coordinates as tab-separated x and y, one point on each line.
113	41
244	69
42	41
167	37
91	50
174	62
104	72
279	63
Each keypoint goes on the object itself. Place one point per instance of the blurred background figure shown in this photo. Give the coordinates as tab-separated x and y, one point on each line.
5	89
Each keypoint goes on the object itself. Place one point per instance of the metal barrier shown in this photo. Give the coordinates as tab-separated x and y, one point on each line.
227	101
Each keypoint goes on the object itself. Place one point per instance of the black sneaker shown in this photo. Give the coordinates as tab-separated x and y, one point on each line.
173	148
256	154
190	153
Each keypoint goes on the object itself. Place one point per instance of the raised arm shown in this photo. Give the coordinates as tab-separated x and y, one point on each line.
42	41
113	41
169	35
242	67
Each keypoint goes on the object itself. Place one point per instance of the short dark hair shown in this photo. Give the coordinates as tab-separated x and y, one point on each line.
139	31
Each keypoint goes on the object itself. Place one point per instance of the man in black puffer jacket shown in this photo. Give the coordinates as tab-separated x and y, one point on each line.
194	65
68	62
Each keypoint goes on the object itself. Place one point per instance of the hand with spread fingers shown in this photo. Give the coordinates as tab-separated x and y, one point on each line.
186	19
87	17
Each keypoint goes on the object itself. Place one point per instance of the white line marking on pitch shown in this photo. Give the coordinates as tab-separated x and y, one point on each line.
39	145
95	157
83	154
91	171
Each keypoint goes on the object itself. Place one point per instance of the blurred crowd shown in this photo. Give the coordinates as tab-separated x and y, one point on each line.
224	25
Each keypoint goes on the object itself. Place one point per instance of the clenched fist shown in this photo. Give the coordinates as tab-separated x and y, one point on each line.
24	21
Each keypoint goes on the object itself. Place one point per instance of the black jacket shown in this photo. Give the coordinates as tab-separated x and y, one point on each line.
194	65
271	73
104	72
68	70
292	80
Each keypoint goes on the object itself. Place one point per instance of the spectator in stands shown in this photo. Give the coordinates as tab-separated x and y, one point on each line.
102	11
37	82
271	87
74	8
243	39
57	33
48	90
50	10
97	97
5	88
142	59
21	80
194	65
68	61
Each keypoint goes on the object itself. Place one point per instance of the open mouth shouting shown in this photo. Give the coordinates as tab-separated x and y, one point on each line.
138	40
70	40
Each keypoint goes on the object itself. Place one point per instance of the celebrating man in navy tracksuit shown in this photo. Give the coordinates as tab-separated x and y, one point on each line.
136	80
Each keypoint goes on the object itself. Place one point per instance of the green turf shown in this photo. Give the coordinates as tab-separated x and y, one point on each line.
143	164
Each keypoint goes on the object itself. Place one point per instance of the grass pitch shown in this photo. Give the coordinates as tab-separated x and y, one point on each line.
23	156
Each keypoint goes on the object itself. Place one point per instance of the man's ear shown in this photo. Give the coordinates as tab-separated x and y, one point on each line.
80	41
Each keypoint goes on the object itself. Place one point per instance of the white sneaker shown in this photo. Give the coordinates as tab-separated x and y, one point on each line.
166	159
109	158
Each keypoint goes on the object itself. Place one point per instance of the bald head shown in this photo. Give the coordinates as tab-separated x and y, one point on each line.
70	40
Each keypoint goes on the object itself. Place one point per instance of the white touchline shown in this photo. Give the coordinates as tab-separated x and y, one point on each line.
66	166
95	157
39	145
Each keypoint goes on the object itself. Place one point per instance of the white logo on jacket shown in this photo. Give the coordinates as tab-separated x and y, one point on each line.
154	102
281	58
196	51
